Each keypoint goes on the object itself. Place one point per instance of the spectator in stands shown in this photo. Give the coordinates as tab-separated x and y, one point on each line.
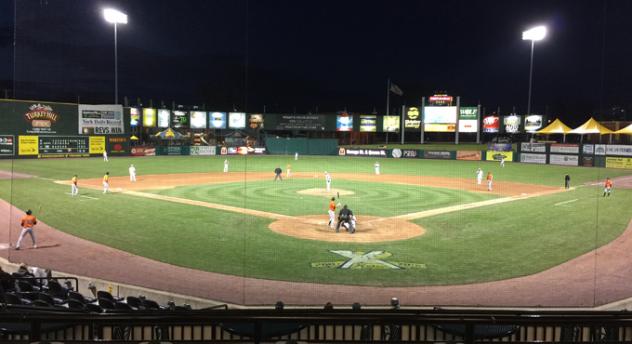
41	273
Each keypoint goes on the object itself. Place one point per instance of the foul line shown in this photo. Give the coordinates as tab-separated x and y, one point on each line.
459	207
566	202
209	205
88	197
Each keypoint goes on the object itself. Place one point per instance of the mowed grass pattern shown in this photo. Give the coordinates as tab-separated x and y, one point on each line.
282	197
483	244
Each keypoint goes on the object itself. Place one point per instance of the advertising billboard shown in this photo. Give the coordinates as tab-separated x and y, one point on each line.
468	119
612	162
255	121
237	120
101	119
149	117
440	118
344	122
533	147
163	118
368	123
566	148
134	117
511	124
491	124
533	158
412	119
498	155
198	119
468	155
566	160
180	119
390	124
7	145
532	123
623	150
217	120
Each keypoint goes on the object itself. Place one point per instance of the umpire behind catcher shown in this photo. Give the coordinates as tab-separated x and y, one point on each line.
346	216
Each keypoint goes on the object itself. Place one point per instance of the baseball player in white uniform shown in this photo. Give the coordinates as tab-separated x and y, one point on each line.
479	176
105	155
328	181
295	156
226	166
502	161
376	167
132	173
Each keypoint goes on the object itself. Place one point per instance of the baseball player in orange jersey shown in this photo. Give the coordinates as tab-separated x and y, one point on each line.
490	181
288	170
74	190
106	182
607	187
27	223
332	212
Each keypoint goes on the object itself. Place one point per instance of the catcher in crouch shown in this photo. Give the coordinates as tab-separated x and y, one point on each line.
346	219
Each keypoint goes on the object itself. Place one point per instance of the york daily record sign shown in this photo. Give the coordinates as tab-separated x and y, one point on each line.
101	119
362	152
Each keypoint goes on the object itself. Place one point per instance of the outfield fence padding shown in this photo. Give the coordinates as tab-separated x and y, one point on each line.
302	146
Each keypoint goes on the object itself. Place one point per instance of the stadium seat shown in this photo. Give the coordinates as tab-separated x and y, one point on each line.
106	304
56	290
41	303
11	299
134	302
91	307
150	304
73	304
122	306
102	294
25	286
73	295
49	299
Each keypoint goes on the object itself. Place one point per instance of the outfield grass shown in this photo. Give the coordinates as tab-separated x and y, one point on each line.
516	172
483	244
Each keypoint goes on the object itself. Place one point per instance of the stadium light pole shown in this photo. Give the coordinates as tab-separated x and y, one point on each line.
115	17
534	34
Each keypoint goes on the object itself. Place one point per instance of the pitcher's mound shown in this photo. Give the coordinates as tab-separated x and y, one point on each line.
369	229
325	193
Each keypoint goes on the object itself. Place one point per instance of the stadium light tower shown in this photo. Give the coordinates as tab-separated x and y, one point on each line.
534	34
115	17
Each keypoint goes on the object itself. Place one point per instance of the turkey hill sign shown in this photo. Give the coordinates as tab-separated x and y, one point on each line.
42	118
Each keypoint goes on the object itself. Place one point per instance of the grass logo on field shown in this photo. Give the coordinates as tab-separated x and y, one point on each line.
366	260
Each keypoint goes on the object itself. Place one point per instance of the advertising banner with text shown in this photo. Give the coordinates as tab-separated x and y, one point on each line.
533	158
101	119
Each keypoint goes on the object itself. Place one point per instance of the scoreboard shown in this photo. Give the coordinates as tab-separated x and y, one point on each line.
64	145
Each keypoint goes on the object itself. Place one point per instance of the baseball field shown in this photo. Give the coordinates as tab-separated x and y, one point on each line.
420	222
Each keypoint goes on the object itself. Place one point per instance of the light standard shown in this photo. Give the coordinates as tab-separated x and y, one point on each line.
534	34
115	17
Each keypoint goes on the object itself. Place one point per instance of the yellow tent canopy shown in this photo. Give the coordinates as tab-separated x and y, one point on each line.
626	130
556	127
134	138
591	127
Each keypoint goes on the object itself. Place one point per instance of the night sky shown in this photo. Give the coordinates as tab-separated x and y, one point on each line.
323	55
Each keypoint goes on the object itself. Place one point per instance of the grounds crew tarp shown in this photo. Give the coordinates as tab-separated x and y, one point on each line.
627	130
591	127
557	127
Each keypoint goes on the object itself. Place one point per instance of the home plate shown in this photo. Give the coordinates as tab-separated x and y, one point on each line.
4	245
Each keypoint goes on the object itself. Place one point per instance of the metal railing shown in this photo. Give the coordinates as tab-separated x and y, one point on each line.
29	324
